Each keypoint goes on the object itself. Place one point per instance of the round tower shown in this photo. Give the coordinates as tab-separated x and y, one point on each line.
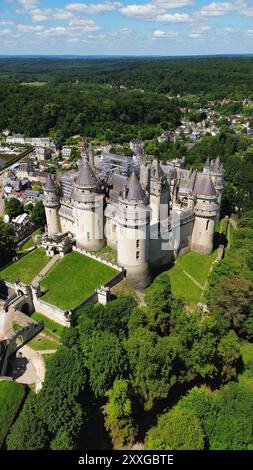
206	210
159	193
88	209
217	174
133	233
51	203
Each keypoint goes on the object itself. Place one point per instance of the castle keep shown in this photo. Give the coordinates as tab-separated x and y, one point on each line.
148	216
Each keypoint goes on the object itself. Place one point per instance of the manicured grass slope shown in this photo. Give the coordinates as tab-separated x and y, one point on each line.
182	286
43	342
73	279
195	265
11	395
27	267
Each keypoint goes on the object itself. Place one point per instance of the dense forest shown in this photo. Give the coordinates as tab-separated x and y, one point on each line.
158	374
112	98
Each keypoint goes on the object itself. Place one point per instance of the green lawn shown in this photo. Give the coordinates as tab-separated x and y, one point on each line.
11	396
43	342
27	267
51	327
36	84
198	267
30	242
182	286
73	279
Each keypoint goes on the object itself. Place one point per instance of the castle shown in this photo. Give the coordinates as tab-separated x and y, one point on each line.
148	217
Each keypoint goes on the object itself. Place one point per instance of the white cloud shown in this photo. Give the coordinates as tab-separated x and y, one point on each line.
5	22
174	18
5	31
199	31
216	9
153	9
93	8
158	34
25	28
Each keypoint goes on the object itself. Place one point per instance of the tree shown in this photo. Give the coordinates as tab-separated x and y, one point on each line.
152	364
119	415
28	432
62	441
65	379
106	360
7	243
13	207
159	298
231	426
176	430
232	296
138	319
229	353
38	215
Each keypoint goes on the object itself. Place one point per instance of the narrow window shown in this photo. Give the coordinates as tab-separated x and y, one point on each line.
88	235
207	224
137	254
137	243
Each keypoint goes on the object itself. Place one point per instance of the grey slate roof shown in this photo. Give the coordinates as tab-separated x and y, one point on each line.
86	176
204	185
135	191
50	184
207	164
216	165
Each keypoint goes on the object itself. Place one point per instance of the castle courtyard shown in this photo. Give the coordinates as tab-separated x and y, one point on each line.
73	279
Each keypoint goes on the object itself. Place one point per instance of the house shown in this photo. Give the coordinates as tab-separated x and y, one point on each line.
22	226
66	152
15	139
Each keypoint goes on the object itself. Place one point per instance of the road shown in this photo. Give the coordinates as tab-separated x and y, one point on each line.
2	178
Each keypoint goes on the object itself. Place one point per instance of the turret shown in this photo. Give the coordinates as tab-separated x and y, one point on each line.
145	168
206	168
217	173
51	202
159	193
133	233
88	209
206	210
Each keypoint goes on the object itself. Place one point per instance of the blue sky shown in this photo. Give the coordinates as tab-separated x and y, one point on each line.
135	27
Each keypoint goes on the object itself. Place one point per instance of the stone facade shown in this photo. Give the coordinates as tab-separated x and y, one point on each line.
148	218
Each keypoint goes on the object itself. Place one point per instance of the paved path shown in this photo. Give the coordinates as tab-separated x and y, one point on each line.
28	367
45	270
48	351
2	202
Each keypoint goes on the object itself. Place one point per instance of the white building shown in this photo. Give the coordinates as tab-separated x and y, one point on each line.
15	139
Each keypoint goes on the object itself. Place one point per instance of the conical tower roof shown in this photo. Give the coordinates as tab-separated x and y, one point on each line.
207	164
207	188
86	176
216	165
135	191
50	184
